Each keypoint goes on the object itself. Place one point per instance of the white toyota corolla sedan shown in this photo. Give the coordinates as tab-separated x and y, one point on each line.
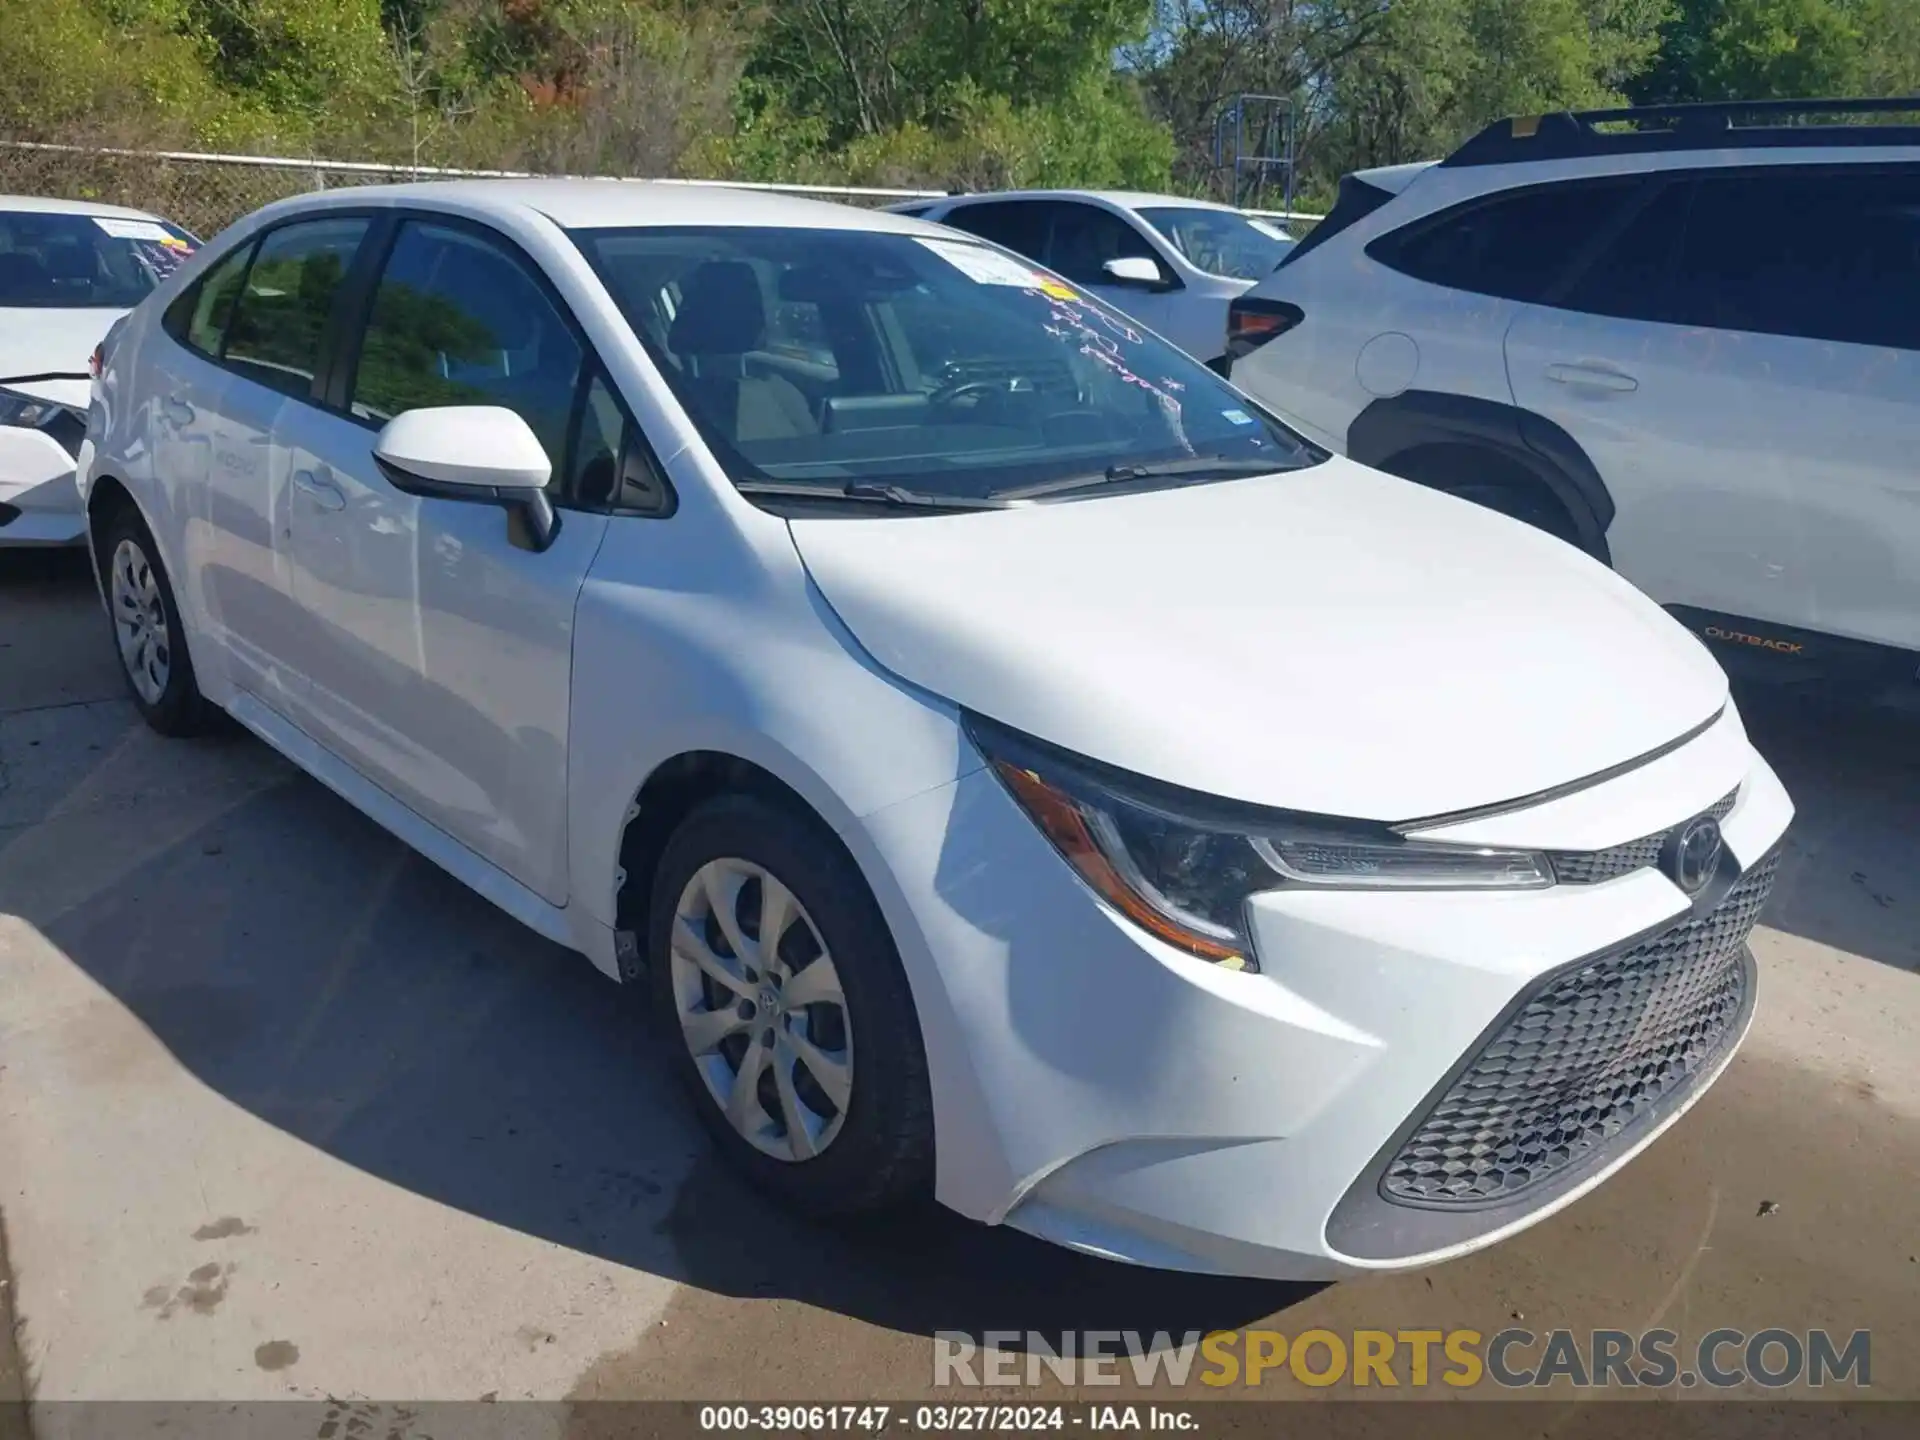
1022	769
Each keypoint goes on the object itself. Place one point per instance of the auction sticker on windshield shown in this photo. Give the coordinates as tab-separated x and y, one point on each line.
990	267
150	230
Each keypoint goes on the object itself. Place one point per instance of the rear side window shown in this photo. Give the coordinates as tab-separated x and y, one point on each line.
458	321
199	317
1823	255
1632	277
276	330
1515	245
1020	225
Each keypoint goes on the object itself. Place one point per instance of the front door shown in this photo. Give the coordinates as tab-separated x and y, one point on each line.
443	670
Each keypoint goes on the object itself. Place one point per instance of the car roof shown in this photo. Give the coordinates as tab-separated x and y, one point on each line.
50	205
595	204
1125	199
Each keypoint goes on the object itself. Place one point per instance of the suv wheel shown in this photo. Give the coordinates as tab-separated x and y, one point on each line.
778	982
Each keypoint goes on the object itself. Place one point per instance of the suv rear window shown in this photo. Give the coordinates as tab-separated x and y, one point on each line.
1515	244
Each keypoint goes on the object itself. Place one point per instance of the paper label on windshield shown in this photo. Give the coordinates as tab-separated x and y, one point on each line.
137	230
988	267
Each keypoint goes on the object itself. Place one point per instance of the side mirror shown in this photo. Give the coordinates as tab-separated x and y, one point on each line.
482	454
1139	272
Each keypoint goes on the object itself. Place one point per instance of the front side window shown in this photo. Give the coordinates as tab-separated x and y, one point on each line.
278	323
1822	255
1222	242
458	321
1516	245
54	261
947	367
1085	237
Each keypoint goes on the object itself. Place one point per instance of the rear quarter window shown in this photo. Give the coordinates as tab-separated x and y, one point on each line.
1513	244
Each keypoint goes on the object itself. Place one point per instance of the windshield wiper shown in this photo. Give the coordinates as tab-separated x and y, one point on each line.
1192	466
870	493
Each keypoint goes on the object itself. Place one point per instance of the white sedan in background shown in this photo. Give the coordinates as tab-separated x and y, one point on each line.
1024	771
1172	263
68	270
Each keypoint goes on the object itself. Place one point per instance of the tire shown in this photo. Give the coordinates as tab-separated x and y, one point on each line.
863	1140
148	636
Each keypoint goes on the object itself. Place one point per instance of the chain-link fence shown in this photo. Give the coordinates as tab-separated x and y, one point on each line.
205	193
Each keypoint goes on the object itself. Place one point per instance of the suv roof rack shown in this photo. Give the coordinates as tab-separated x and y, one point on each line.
1732	125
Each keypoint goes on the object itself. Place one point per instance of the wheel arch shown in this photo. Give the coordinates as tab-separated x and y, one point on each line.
669	793
107	496
1394	427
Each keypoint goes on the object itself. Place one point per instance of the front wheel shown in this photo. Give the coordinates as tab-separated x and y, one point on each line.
776	977
147	631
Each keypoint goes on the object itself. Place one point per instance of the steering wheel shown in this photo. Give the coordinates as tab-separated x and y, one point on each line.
951	393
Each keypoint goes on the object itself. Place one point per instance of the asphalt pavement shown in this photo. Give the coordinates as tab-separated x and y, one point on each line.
285	1111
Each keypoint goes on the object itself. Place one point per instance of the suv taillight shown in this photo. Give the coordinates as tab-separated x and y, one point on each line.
1251	322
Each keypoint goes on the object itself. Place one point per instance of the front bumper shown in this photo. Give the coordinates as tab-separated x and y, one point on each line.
1099	1089
39	500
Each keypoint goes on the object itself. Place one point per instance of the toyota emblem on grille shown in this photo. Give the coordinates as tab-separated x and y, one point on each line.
1693	853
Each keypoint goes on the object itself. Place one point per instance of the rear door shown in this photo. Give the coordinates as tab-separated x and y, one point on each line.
442	665
1742	364
1431	312
267	345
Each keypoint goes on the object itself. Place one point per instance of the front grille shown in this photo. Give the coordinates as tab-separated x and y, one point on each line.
1590	867
1595	1049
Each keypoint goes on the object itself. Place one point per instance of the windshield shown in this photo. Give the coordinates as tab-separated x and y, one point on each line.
58	261
940	365
1222	242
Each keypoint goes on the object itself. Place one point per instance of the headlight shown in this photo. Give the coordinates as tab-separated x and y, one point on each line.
64	423
1182	865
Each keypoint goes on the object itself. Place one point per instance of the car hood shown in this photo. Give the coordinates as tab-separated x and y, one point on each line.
56	342
1329	640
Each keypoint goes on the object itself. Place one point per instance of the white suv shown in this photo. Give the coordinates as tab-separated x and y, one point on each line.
1688	345
1020	768
1172	263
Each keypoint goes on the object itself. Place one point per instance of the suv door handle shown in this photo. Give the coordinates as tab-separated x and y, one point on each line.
322	491
1600	377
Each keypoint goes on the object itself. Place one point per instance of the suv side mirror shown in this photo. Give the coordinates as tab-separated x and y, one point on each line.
1138	272
484	454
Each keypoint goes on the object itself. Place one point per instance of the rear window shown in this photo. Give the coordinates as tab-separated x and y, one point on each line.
1356	201
54	261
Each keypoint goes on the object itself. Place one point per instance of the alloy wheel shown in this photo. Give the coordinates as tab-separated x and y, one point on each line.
140	621
761	1009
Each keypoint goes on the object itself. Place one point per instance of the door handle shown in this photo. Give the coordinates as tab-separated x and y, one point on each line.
178	412
1599	377
321	490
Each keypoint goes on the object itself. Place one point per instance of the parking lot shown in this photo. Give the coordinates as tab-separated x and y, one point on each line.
284	1110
